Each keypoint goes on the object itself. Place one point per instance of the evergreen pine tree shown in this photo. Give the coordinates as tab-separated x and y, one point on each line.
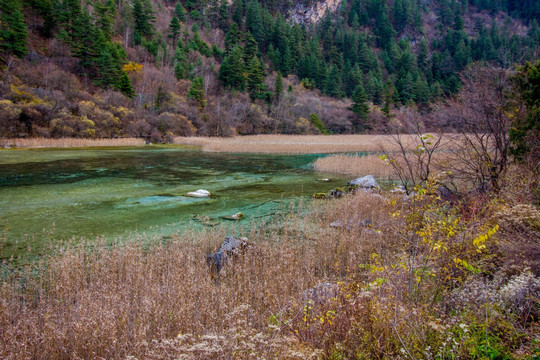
333	84
276	59
174	30
233	37
124	85
180	12
360	108
108	69
251	47
231	72
278	86
180	59
67	13
144	17
13	31
287	63
106	17
255	78
87	41
196	92
223	15
422	57
420	91
180	71
254	20
388	97
238	11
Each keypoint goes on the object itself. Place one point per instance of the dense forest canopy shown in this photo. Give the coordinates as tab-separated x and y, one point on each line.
165	68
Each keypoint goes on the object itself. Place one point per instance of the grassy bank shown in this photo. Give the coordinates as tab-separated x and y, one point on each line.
69	142
420	279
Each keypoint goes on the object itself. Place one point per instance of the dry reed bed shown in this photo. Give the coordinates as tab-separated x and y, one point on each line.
304	144
69	142
136	300
355	166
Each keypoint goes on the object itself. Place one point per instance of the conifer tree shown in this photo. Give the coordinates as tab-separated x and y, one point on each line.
180	60
420	91
374	88
106	16
223	15
144	17
333	85
180	12
388	97
67	13
278	86
238	12
108	69
13	31
231	72
254	20
87	41
174	29
360	108
196	92
251	47
422	57
124	85
287	63
276	59
233	37
255	78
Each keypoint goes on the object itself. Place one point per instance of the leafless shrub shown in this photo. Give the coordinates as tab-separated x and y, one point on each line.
414	160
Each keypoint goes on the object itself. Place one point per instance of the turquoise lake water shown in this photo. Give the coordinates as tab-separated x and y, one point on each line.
60	194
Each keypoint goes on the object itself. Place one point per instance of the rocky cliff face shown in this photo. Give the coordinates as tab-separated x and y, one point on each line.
309	14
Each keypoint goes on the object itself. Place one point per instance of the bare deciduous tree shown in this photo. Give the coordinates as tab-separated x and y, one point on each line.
482	113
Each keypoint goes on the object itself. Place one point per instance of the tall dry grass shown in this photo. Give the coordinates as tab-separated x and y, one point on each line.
158	300
304	144
69	142
101	302
355	166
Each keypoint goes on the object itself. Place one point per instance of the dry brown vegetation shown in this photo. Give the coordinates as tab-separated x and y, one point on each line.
355	166
69	142
293	143
396	289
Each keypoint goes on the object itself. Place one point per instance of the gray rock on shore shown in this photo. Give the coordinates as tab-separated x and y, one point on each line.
365	182
230	249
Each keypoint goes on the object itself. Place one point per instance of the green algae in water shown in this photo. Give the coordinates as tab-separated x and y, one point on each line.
55	195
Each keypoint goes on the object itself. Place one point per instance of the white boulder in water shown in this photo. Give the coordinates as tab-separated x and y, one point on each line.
367	182
199	193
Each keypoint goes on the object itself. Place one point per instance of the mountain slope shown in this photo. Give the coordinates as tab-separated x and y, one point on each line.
161	69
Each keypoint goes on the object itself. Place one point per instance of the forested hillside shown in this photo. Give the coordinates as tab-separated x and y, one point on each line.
159	69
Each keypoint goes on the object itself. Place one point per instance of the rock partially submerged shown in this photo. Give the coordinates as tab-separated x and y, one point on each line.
199	193
332	194
230	249
236	216
365	182
336	193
